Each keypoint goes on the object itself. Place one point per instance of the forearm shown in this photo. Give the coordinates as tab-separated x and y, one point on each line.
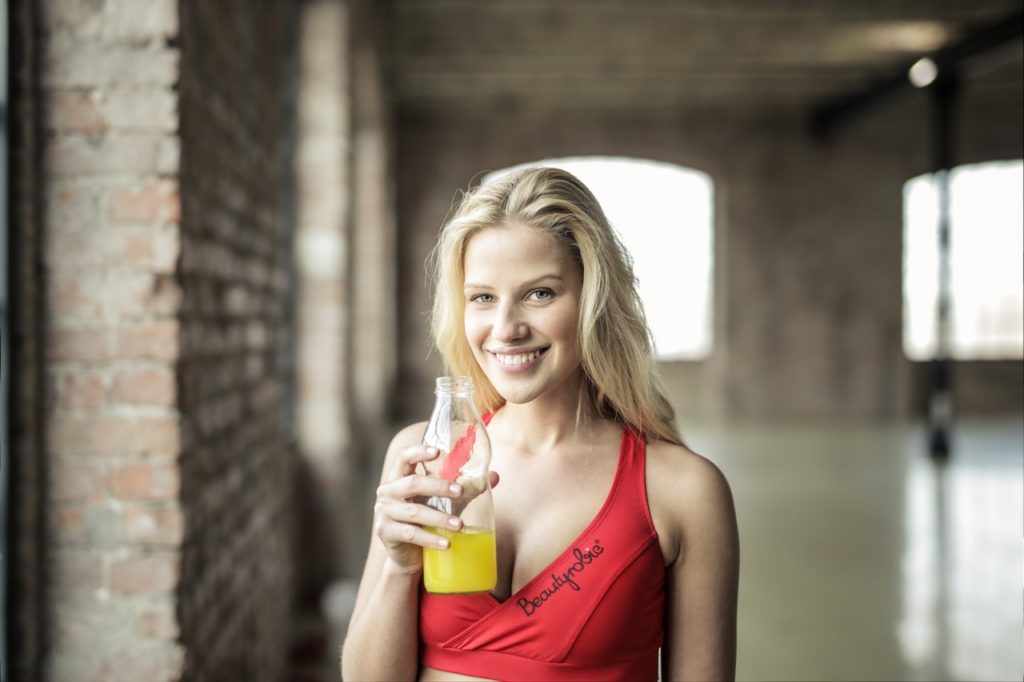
382	641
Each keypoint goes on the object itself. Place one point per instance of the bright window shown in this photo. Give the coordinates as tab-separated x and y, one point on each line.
986	263
662	214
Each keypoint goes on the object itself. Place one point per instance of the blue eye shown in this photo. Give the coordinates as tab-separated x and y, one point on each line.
542	294
481	298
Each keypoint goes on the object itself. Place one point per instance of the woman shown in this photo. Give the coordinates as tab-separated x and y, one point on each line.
613	538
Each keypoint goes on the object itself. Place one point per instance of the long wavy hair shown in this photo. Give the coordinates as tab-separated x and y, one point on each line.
615	342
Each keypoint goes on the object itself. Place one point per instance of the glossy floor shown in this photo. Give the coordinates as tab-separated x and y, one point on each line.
861	560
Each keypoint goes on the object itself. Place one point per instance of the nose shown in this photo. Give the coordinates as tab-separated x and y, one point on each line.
508	324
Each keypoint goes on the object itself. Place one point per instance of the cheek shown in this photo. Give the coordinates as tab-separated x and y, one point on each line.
562	324
475	328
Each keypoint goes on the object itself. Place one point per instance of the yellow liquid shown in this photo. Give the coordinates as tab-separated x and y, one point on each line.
470	564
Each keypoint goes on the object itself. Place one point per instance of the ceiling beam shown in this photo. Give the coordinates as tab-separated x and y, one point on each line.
829	116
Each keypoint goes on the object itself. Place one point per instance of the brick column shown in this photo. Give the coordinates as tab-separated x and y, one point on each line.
110	213
164	292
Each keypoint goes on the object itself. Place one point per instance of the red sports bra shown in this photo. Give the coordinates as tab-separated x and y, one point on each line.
595	612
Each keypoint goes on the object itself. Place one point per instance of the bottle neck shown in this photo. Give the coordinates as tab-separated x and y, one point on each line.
458	405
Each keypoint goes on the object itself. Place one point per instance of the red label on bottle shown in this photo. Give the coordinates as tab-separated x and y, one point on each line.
459	455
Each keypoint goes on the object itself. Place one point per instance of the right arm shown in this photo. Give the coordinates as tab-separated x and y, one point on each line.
382	635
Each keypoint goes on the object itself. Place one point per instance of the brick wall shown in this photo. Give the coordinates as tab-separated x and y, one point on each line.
235	366
153	440
109	215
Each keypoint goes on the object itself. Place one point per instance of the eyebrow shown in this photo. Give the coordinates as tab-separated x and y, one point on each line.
526	285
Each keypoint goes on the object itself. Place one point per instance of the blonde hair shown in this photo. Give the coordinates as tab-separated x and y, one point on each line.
615	342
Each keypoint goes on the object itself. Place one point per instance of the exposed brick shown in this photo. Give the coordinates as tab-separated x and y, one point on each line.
74	112
116	250
151	203
148	341
77	294
134	21
77	482
67	523
158	620
69	64
138	109
158	661
152	248
164	526
89	111
76	570
105	21
59	15
81	390
75	155
148	247
129	293
113	435
151	386
72	205
145	481
73	247
102	526
149	574
123	292
74	343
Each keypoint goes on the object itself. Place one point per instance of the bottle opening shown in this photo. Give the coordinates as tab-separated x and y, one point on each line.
453	385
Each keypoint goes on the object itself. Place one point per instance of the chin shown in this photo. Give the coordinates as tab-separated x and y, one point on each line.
512	394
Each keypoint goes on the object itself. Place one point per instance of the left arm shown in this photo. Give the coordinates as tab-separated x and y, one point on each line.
703	580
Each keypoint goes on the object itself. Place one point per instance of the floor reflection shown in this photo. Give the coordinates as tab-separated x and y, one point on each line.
962	564
864	561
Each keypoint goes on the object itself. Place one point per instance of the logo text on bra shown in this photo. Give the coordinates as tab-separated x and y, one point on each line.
584	558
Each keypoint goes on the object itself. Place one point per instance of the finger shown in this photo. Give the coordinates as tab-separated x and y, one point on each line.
413	485
393	534
418	514
411	456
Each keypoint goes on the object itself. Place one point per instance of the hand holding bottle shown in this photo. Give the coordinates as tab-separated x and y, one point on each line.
401	512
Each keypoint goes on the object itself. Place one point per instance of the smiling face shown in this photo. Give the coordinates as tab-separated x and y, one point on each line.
522	291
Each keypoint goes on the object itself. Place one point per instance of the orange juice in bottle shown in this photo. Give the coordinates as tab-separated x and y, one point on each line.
468	565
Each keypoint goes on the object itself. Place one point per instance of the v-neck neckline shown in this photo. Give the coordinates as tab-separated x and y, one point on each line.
598	516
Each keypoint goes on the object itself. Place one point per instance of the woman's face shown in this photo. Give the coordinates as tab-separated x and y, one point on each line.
522	293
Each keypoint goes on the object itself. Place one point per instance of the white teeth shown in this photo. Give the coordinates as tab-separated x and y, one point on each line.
516	360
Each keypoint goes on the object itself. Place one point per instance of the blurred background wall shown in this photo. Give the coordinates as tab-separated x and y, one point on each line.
219	214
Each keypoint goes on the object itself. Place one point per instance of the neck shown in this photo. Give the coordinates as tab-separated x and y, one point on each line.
550	421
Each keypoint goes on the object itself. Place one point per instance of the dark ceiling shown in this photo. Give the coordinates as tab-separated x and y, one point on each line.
659	57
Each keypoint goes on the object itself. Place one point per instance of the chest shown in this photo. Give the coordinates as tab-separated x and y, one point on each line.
542	507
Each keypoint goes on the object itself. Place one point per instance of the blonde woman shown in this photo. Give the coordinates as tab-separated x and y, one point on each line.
614	539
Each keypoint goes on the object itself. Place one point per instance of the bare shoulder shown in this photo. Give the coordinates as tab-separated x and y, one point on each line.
689	495
686	475
410	435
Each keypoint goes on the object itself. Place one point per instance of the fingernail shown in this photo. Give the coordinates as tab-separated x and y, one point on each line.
442	543
431	450
453	522
455	488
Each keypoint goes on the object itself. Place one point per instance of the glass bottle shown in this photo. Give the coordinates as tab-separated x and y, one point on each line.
470	563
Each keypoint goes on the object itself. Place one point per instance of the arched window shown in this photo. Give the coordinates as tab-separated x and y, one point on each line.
986	263
662	213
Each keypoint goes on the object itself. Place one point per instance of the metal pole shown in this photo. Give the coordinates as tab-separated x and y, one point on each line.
940	404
